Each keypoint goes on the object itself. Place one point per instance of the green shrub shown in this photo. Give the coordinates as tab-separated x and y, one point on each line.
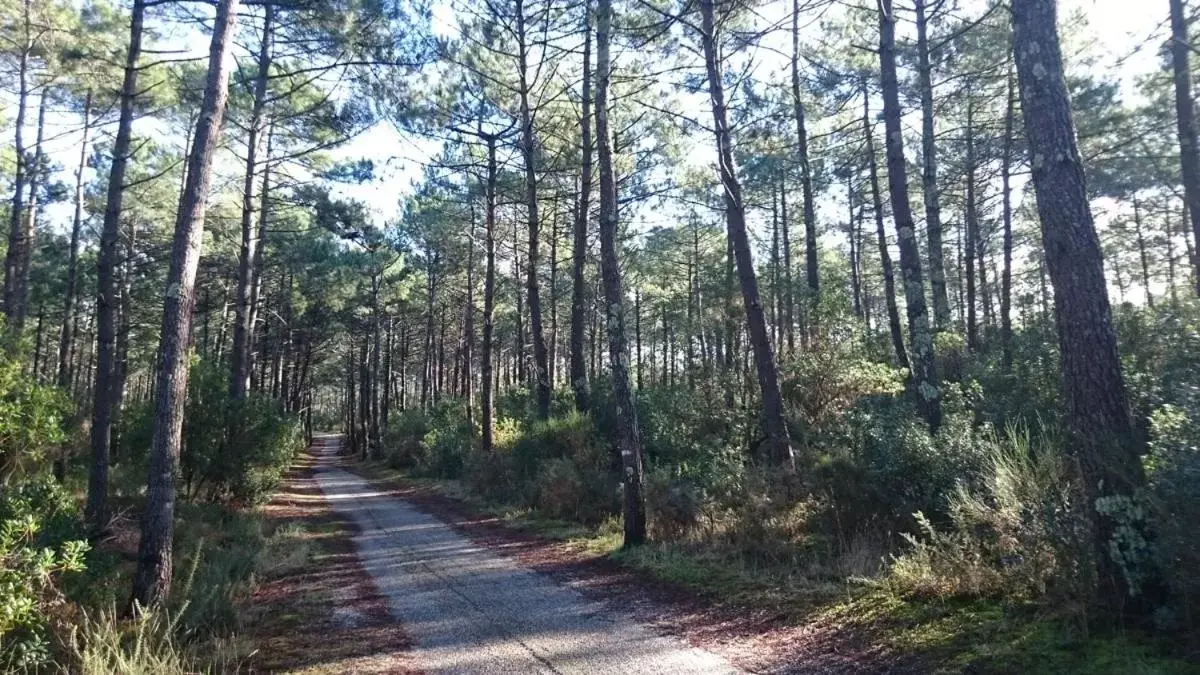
31	418
233	451
1173	490
435	442
37	546
1021	535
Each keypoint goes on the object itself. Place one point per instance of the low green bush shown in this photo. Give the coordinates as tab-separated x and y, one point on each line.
1021	534
39	543
233	451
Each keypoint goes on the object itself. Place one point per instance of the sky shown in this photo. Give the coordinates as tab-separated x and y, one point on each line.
1119	26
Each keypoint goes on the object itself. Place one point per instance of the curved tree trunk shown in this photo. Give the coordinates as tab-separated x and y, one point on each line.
779	443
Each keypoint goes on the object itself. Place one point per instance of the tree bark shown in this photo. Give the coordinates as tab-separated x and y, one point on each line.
922	365
529	151
806	189
971	218
243	328
152	579
885	256
66	342
1096	407
933	211
779	443
578	365
106	291
487	413
17	210
1006	332
1185	119
629	441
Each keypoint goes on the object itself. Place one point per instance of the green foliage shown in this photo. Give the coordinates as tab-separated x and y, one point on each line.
233	451
31	417
436	443
1019	533
1173	495
38	545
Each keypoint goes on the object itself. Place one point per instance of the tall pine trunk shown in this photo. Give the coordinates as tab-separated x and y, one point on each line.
806	189
933	210
779	443
152	580
922	366
106	285
242	327
885	256
529	152
1096	407
1185	119
1006	160
66	342
629	441
578	365
486	383
17	210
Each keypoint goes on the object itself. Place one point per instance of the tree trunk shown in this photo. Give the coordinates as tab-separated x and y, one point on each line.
242	327
106	291
1143	254
529	152
66	340
152	580
789	300
1185	119
933	211
806	189
971	218
922	366
885	256
1006	332
1097	411
487	414
629	441
17	210
779	443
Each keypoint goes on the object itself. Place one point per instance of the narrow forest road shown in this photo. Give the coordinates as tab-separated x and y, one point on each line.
470	610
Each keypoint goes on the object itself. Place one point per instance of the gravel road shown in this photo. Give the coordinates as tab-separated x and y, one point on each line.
471	610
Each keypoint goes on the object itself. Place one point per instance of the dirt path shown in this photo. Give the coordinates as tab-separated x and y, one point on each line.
469	609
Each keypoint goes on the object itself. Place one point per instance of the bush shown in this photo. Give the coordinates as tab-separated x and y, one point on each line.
1021	535
38	544
233	451
435	443
1173	490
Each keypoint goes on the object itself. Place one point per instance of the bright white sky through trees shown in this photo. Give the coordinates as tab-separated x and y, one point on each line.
1128	35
